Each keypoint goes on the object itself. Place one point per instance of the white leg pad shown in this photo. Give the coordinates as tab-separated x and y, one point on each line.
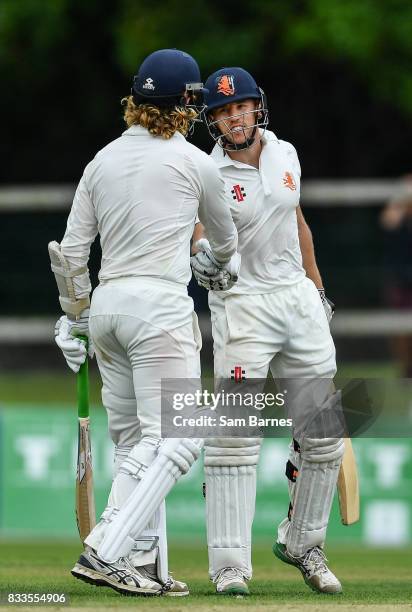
129	473
232	451
293	465
175	458
152	546
312	494
230	471
120	454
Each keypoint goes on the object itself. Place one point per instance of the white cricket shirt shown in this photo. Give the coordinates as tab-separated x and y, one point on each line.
263	204
142	193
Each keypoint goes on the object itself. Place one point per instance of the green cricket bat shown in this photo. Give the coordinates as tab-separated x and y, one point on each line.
85	506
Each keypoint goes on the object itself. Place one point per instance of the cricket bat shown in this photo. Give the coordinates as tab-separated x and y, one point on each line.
348	486
85	507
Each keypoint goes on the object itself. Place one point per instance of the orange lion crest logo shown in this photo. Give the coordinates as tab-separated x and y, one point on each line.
289	181
226	85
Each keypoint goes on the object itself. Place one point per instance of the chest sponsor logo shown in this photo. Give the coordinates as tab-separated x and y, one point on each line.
289	181
226	85
237	374
238	193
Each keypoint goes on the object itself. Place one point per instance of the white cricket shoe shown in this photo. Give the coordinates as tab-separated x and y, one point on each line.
120	576
313	568
171	588
231	581
175	588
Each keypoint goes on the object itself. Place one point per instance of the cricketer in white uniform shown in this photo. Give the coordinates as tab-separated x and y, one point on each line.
274	318
142	193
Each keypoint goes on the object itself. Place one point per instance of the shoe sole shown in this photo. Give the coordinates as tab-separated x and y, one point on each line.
96	579
278	552
176	594
235	590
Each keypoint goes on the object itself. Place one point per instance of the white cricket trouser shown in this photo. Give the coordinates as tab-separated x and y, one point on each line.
288	333
143	330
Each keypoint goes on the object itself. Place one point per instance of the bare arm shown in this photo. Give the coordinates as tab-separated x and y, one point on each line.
198	233
308	250
305	241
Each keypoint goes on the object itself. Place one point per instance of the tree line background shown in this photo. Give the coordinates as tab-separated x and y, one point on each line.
337	74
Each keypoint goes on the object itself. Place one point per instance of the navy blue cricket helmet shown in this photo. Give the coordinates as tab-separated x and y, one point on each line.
227	86
165	76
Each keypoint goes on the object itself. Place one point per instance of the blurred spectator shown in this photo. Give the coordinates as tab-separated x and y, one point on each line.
396	220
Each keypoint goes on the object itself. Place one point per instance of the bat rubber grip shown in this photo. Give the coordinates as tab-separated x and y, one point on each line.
83	386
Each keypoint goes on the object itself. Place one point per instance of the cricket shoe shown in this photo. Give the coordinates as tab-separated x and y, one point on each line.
120	575
313	567
171	588
231	581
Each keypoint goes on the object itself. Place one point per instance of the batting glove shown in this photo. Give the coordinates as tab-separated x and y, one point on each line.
328	306
206	269
231	270
73	349
210	273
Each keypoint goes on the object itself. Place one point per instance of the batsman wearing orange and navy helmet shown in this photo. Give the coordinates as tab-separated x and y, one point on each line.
275	318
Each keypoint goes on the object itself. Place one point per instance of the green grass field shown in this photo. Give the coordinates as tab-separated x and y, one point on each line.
369	577
372	579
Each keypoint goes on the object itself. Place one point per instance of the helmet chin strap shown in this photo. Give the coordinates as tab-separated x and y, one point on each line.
231	146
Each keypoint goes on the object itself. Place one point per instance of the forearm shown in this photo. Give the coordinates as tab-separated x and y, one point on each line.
76	260
198	233
214	214
80	232
311	267
308	253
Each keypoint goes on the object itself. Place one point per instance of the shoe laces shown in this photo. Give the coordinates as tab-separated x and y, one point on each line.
229	573
314	561
149	571
167	586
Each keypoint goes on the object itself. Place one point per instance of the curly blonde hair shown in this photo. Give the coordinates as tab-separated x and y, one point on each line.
162	122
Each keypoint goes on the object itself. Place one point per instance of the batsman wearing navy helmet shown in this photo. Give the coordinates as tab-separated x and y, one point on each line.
142	193
275	318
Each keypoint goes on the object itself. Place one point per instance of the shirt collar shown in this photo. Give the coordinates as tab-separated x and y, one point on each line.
138	130
222	159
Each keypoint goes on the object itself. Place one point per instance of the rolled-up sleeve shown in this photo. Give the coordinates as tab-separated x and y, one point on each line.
80	232
214	212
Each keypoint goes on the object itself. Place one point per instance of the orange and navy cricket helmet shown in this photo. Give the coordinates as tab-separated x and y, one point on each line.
229	85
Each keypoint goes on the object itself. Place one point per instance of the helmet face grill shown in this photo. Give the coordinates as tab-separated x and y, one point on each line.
231	86
194	97
222	136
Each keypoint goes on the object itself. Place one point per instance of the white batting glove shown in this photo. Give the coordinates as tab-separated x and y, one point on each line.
328	306
73	349
210	273
205	268
231	269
